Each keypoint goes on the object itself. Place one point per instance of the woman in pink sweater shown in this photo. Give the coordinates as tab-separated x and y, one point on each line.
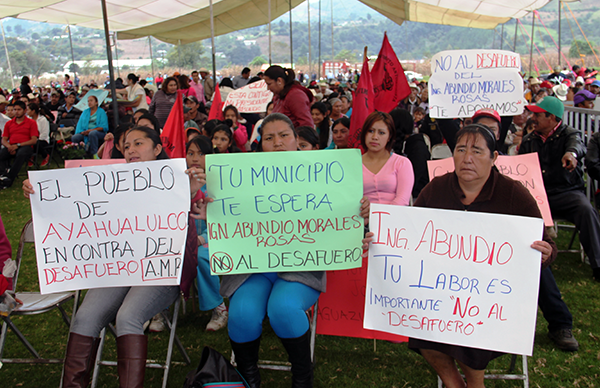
388	178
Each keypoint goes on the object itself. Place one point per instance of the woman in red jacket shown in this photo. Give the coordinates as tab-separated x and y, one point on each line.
290	97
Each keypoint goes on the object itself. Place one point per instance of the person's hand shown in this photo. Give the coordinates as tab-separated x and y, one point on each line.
109	136
27	188
201	241
365	208
64	115
544	247
197	179
199	208
366	241
569	161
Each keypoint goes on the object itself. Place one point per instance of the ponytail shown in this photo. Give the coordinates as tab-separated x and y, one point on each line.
287	75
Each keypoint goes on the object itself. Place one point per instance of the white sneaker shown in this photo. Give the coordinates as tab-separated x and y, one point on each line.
218	320
158	323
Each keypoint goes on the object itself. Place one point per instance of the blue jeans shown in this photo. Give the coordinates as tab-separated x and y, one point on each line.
553	308
130	306
266	294
93	140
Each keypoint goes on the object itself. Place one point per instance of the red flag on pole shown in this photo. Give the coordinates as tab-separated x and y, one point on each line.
362	104
173	134
216	109
389	80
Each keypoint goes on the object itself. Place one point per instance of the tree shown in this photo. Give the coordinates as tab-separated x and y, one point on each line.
187	56
346	55
258	61
18	29
579	46
74	68
35	36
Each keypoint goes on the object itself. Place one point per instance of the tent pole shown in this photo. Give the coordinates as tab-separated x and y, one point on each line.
332	51
212	43
319	64
12	78
111	71
559	45
531	47
72	55
502	37
516	32
309	47
270	58
151	59
179	53
117	54
291	41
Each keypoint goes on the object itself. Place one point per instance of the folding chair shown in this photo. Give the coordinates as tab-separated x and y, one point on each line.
33	303
286	365
506	376
570	248
154	364
440	151
54	157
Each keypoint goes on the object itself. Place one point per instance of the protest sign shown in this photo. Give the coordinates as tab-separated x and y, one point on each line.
523	168
252	98
74	163
464	81
284	211
109	226
456	277
341	308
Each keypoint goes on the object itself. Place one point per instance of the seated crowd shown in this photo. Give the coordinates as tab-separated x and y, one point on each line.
396	148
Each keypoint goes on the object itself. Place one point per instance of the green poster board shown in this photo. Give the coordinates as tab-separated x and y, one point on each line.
284	211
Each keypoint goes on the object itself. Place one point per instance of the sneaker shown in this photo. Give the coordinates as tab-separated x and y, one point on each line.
218	320
158	323
30	163
596	274
564	340
45	161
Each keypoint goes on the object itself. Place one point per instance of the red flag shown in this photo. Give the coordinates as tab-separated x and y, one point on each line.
173	134
216	109
389	80
362	104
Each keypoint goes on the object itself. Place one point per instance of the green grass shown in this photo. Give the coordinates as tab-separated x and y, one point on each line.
340	362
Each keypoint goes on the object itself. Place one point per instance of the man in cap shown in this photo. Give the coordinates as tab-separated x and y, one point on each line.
557	76
560	151
595	87
534	87
584	99
54	102
208	83
412	101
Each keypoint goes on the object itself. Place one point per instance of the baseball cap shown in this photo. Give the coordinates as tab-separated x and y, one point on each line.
487	112
583	95
192	99
413	86
579	80
546	85
589	81
548	104
596	83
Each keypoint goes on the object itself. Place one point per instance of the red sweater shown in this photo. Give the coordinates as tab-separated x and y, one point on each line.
295	105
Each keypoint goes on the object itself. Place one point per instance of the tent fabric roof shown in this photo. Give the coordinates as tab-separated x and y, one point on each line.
185	21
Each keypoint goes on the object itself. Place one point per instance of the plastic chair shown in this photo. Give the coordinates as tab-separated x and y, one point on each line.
440	151
154	364
286	365
33	303
506	376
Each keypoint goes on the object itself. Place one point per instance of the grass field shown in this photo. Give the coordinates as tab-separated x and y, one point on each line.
340	362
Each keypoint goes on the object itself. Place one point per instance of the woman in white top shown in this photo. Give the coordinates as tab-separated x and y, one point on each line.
33	111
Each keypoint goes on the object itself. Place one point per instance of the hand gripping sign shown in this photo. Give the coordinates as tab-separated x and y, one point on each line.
109	226
456	277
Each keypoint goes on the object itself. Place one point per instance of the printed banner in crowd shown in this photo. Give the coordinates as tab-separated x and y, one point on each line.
464	81
252	98
110	226
284	211
456	277
523	168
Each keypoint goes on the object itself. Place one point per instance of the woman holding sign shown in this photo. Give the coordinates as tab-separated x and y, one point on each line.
131	307
283	296
476	185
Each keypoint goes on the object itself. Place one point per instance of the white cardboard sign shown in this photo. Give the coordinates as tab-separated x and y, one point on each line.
252	98
464	81
109	226
456	277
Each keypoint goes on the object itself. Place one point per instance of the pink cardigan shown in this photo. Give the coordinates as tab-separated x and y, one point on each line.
393	184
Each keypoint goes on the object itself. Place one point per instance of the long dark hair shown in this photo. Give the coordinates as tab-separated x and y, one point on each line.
118	134
183	82
324	126
204	145
227	130
150	117
163	86
372	119
309	134
154	136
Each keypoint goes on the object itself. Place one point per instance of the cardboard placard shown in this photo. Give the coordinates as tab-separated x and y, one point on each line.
252	98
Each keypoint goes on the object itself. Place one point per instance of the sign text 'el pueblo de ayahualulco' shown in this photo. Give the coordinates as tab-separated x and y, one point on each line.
109	226
464	81
456	277
284	211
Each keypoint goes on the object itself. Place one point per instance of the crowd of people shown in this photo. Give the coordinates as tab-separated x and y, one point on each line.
311	115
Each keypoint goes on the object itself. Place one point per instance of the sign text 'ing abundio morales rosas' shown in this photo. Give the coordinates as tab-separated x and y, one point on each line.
108	226
456	277
284	211
464	81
